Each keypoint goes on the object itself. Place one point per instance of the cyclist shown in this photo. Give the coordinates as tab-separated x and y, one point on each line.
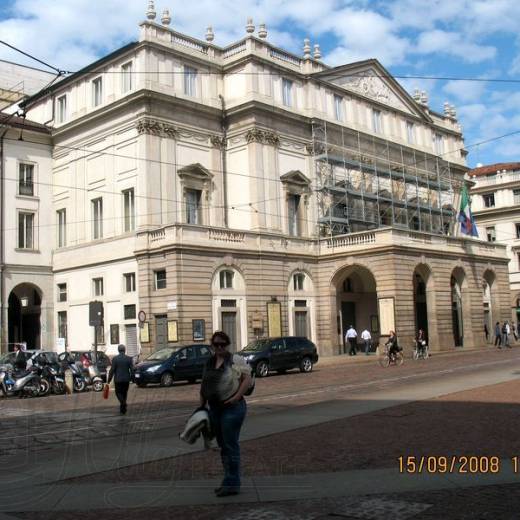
420	342
393	346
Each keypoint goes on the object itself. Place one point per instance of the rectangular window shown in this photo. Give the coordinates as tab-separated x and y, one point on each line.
489	200
61	109
160	279
97	218
377	124
26	179
62	292
62	227
26	230
516	196
298	281
193	206
97	286
226	279
190	81
228	303
127	77
293	204
300	303
438	144
62	325
410	132
129	210
517	228
100	335
491	234
287	85
338	107
97	92
129	282
129	312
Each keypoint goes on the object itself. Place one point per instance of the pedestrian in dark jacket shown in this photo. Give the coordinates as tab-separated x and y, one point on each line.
20	360
498	335
121	370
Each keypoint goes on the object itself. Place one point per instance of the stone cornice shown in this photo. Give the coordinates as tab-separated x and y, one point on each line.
153	127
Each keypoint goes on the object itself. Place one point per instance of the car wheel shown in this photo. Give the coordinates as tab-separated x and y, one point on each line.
262	369
306	365
167	379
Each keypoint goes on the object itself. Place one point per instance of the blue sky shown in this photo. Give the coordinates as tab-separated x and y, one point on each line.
448	38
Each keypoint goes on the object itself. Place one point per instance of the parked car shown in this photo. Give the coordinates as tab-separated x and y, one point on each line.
172	364
7	360
280	354
85	358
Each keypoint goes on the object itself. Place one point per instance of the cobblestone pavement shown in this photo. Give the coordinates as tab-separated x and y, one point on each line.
481	503
36	425
477	422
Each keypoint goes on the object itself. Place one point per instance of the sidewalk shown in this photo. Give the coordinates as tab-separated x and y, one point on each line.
373	472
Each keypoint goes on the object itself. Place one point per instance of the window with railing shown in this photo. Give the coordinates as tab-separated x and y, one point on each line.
26	179
62	325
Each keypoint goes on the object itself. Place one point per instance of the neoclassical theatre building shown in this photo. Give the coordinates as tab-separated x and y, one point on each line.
249	189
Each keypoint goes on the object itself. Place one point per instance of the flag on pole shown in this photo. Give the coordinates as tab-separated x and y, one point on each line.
467	223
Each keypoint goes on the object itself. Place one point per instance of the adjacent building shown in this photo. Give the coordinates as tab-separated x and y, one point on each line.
496	208
249	189
26	278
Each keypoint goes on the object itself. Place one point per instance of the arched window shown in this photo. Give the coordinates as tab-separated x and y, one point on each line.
226	279
299	281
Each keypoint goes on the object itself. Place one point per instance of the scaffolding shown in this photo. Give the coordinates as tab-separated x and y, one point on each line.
364	182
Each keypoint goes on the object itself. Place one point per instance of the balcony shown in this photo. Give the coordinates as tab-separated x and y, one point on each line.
495	180
26	188
230	240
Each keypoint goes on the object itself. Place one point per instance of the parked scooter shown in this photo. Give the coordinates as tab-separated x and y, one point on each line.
22	384
94	379
55	379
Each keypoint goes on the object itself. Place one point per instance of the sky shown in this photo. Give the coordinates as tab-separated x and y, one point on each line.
430	38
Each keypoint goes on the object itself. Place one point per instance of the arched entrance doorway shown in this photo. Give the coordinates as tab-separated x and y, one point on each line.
456	282
23	316
356	302
421	277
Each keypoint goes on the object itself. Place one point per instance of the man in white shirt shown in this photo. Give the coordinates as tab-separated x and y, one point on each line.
351	338
367	338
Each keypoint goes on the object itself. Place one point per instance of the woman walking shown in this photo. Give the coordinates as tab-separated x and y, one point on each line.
225	380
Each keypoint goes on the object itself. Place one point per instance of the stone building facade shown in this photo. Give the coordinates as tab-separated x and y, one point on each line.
248	189
496	208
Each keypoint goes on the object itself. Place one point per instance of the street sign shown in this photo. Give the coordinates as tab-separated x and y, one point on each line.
141	316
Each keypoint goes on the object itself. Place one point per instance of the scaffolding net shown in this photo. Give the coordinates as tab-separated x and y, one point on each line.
364	182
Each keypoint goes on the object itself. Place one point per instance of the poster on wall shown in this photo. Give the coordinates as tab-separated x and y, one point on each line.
274	319
172	331
144	336
386	315
199	333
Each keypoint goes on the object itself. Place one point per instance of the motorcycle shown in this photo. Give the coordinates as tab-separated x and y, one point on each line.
22	384
94	379
54	378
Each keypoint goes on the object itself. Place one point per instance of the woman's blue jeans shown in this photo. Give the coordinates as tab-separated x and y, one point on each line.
226	422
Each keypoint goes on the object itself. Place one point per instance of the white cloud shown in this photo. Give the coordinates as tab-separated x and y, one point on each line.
465	91
452	43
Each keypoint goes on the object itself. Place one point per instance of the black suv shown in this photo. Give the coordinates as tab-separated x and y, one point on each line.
280	354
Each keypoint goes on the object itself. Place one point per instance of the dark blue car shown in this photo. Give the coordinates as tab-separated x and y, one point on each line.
172	364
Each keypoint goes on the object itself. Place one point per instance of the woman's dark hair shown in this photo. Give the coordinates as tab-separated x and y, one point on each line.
221	335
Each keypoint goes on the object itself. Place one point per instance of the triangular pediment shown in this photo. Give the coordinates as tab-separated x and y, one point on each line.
371	80
195	170
295	177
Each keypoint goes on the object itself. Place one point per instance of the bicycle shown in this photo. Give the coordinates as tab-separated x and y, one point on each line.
386	360
420	353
